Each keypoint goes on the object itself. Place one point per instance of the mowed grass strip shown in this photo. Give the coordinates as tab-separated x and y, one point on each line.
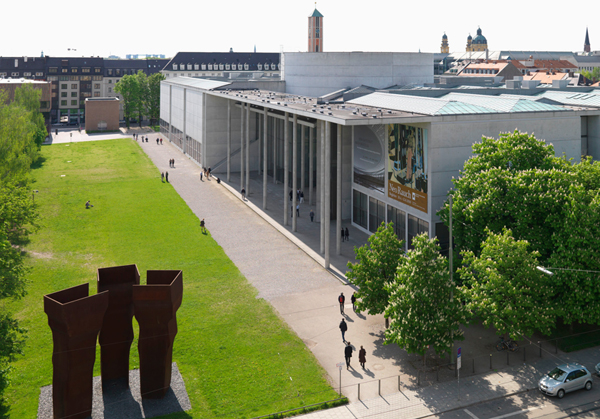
237	358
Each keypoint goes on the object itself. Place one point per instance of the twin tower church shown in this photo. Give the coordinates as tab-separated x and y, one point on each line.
479	43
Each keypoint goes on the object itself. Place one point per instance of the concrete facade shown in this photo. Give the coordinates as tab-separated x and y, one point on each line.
315	75
102	114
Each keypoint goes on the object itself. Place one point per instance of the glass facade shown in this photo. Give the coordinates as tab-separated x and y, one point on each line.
416	226
360	208
376	214
398	217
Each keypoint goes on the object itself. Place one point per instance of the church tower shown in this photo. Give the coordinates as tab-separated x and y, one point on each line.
586	45
315	31
469	42
445	47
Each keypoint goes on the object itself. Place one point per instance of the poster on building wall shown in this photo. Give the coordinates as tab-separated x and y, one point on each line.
369	156
407	165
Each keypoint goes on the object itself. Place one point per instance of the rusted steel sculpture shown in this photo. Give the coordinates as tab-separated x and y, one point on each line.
156	306
75	319
116	334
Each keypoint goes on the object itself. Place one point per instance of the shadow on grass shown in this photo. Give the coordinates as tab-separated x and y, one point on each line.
38	163
4	409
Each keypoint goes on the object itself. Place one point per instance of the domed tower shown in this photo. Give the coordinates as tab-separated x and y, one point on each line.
445	47
479	42
469	42
315	31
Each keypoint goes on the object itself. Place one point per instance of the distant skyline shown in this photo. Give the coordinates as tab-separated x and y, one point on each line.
122	27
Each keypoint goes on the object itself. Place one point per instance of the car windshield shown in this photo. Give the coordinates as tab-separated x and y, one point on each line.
557	374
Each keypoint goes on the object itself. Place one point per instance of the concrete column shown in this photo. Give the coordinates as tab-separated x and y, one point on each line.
248	149
264	160
228	140
327	192
286	168
170	112
302	156
275	137
184	142
294	172
311	150
242	146
338	200
322	187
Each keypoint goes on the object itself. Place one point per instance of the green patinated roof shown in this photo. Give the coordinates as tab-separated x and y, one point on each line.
316	13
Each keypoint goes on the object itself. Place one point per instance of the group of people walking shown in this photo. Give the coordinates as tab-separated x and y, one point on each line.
345	234
349	349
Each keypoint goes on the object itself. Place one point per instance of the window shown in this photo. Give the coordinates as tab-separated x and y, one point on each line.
233	67
174	66
110	72
273	67
63	86
15	74
227	66
221	67
109	90
39	74
73	85
74	78
63	103
203	66
118	71
96	85
27	74
63	94
259	66
97	70
73	94
189	66
73	103
85	70
360	207
64	78
53	78
398	217
210	66
52	70
74	70
376	214
416	226
97	78
196	67
85	78
96	94
109	81
246	67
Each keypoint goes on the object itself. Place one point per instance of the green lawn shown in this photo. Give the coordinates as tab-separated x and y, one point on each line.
237	358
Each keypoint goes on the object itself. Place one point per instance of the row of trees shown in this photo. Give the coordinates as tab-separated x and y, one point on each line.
516	206
22	131
141	96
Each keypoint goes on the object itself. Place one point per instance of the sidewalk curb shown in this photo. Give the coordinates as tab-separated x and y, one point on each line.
336	273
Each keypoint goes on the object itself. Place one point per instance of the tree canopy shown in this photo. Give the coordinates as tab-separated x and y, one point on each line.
141	96
376	266
425	308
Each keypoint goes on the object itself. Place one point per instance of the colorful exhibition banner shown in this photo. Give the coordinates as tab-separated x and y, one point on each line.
407	165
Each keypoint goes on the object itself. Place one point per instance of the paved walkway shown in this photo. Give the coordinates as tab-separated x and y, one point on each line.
286	269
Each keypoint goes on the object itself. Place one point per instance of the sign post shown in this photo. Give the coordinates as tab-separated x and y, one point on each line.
340	365
458	364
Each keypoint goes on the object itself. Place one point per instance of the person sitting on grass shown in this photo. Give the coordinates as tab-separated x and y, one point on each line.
88	205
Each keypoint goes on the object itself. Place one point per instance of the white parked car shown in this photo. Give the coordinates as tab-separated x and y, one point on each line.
564	379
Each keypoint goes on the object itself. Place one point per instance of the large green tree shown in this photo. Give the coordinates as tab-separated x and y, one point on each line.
376	266
503	287
28	98
130	90
153	97
424	307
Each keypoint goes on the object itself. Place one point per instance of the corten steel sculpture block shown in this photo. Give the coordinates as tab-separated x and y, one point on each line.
75	319
156	306
116	334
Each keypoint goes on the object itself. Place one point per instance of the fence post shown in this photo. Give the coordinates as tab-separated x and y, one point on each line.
490	361
358	391
540	343
399	382
380	387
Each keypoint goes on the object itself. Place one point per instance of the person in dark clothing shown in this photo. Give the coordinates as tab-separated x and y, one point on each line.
312	216
291	194
157	141
243	194
348	354
362	357
343	234
167	176
341	300
203	226
353	299
347	234
343	328
162	177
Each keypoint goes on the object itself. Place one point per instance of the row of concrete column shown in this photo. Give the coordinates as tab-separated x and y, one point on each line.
324	169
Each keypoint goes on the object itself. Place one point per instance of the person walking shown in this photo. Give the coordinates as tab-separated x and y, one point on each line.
302	197
343	327
341	300
347	234
353	299
156	140
291	194
162	177
203	226
161	141
298	210
362	357
312	216
201	171
348	354
167	176
343	234
243	194
209	172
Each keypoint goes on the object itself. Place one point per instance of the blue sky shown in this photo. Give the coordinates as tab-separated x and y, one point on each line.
127	27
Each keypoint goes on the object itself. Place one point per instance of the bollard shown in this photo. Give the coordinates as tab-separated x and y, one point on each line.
399	383
473	365
358	391
524	353
380	387
507	360
540	343
490	361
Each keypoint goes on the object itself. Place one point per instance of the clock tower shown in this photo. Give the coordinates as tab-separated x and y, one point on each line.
315	31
